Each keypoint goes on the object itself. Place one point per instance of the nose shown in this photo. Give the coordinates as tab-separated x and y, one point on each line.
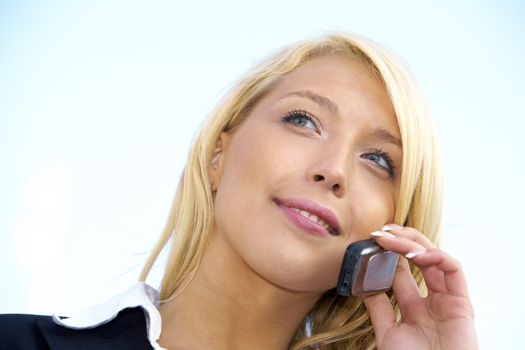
331	170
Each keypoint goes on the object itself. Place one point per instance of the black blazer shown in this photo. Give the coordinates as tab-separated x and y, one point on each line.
31	332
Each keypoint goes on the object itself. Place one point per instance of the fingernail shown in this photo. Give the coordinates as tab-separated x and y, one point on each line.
382	234
414	253
391	227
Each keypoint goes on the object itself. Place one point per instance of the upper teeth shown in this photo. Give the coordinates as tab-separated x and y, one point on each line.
313	218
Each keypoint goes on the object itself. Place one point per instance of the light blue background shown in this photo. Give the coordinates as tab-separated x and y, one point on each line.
99	102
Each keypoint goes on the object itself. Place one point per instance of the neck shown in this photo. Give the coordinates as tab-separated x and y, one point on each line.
228	306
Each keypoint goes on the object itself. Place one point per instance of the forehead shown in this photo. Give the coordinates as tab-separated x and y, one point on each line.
333	65
350	84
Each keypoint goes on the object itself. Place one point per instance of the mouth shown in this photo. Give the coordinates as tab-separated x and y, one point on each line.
310	216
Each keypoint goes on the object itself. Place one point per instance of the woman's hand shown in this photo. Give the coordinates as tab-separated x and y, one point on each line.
442	320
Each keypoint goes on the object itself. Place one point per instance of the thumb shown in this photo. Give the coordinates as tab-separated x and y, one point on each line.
381	313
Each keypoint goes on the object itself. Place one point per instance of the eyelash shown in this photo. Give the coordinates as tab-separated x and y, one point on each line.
298	114
391	168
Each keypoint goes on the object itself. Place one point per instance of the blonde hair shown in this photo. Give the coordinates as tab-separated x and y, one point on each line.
336	322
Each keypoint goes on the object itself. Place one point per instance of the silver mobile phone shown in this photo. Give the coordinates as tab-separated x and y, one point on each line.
367	268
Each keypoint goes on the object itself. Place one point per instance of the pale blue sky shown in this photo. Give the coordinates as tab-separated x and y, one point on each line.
99	102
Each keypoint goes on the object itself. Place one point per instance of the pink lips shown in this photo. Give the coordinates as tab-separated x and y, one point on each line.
311	207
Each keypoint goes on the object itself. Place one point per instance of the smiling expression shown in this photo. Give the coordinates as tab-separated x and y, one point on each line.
315	166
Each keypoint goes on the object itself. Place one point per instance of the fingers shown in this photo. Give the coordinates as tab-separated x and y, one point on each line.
442	273
405	287
404	242
381	313
411	233
398	243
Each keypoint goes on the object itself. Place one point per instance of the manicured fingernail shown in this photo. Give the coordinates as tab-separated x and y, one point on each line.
414	253
382	234
391	227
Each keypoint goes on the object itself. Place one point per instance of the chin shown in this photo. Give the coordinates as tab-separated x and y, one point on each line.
291	272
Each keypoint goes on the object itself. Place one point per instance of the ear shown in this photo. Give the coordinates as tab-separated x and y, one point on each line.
217	160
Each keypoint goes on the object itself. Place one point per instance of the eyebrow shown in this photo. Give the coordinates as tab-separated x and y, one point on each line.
387	137
322	101
330	106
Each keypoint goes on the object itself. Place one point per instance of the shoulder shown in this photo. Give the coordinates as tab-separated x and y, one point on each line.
34	332
19	331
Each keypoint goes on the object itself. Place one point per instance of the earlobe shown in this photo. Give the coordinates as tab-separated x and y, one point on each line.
216	160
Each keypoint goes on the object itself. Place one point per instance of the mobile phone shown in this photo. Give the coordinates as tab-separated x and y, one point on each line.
367	268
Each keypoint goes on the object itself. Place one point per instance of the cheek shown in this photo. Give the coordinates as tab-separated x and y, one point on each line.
256	167
248	168
243	194
248	219
376	208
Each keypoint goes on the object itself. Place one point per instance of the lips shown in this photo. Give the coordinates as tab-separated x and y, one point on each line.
310	216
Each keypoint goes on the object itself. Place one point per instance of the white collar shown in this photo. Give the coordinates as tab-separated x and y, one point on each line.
141	295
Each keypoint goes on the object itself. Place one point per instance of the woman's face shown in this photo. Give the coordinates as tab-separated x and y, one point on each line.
325	142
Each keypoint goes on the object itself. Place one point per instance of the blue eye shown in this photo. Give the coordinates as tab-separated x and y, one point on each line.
301	119
384	160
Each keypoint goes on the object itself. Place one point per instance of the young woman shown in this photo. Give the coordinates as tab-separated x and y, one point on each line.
326	143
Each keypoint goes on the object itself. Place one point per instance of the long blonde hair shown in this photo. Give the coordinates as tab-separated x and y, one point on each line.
335	322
